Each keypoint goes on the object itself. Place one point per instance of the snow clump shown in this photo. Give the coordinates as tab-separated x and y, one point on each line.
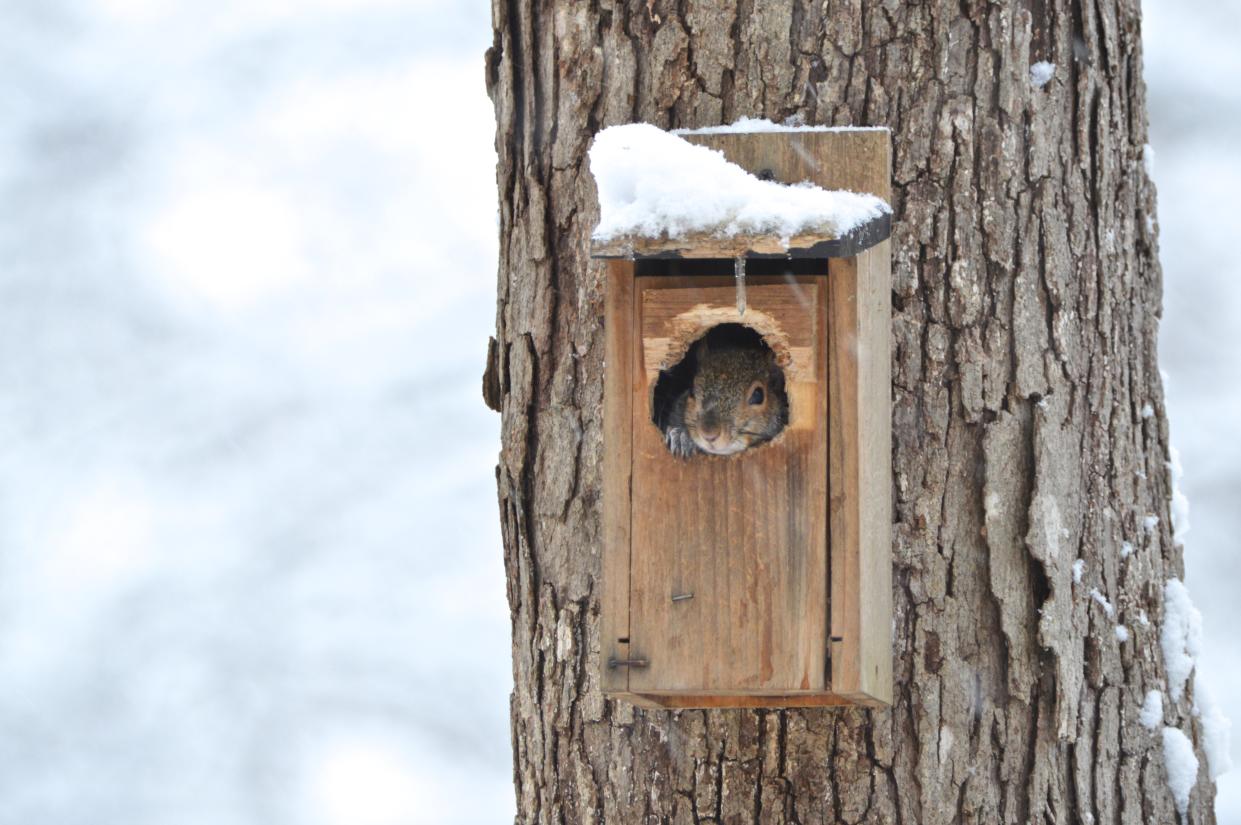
1041	73
1182	766
1180	637
1216	731
656	185
1103	602
1152	710
1180	504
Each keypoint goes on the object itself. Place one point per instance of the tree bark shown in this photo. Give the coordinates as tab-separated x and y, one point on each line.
1026	303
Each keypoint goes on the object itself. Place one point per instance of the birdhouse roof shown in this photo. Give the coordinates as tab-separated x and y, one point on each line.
661	196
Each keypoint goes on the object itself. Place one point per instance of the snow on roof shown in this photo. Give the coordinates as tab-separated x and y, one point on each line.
757	124
653	184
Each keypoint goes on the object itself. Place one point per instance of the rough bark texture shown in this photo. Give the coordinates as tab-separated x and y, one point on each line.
1026	304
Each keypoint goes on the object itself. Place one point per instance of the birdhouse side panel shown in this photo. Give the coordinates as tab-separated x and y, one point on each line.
861	477
619	319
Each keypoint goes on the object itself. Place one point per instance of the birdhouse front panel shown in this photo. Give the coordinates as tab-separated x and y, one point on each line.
729	568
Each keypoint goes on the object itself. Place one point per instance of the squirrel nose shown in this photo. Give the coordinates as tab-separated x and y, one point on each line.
710	427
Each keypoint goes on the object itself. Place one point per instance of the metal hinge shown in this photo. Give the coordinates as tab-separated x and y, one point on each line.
614	663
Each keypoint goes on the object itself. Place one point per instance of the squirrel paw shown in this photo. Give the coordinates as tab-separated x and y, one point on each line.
679	442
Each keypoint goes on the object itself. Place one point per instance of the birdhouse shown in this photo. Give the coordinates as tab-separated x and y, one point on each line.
761	578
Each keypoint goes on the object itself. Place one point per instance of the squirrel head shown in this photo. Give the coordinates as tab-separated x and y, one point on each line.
737	400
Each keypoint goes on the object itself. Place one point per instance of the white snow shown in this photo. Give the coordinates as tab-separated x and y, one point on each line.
1143	619
654	184
1151	715
1148	160
1103	602
992	506
1147	410
1150	522
1041	73
1180	637
755	124
1126	549
1179	504
1079	567
1122	633
946	741
1181	765
1216	731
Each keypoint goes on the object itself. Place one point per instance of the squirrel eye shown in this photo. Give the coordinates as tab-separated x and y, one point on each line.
756	397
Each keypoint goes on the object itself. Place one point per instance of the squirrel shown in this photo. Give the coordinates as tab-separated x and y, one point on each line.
736	401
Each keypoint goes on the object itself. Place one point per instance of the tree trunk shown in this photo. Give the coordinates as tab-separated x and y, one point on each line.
1026	302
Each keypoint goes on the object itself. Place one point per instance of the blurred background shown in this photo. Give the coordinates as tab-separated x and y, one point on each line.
250	565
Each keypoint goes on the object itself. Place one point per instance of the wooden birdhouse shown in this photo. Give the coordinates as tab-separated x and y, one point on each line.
762	578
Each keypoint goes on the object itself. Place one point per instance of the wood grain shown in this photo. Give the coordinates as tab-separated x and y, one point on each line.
698	245
857	161
679	700
746	534
860	477
676	312
618	426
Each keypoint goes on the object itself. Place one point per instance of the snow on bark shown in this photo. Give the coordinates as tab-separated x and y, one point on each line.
1179	504
1151	715
1180	636
1216	731
1041	73
1181	765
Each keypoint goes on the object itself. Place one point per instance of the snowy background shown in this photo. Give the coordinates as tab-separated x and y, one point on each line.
250	568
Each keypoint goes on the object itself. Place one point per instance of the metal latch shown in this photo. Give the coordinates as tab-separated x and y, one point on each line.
614	663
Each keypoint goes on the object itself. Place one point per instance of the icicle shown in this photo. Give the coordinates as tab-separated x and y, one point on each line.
739	273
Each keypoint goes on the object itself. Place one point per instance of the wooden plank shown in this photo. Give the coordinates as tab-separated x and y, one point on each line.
774	311
823	245
617	450
856	160
860	476
746	534
875	482
684	701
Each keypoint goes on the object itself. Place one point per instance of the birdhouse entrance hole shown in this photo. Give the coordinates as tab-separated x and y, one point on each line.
751	401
